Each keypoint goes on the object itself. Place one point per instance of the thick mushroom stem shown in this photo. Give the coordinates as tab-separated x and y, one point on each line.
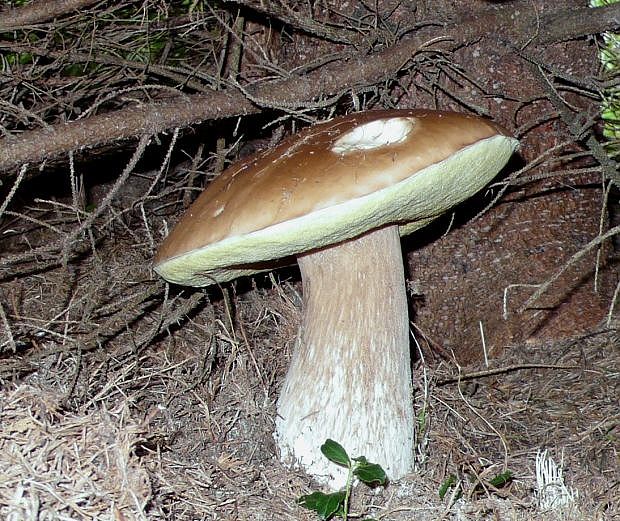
350	375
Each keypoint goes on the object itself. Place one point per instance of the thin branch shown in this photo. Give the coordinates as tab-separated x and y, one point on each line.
502	370
297	21
597	241
574	120
111	328
176	74
136	156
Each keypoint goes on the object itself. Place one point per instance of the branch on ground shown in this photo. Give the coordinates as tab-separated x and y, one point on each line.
40	11
350	74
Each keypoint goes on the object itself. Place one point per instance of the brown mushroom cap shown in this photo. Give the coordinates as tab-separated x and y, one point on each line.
331	182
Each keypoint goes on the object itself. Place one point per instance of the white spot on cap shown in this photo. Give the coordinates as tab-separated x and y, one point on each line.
218	211
375	134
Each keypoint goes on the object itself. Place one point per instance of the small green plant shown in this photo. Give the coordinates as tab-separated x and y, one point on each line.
454	486
336	504
501	480
448	483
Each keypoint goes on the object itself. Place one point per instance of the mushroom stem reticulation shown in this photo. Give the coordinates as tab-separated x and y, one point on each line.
350	373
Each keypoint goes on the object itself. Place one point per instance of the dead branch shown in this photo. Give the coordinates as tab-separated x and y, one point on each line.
503	370
575	124
521	25
141	303
296	20
332	80
38	145
574	23
40	11
177	74
596	242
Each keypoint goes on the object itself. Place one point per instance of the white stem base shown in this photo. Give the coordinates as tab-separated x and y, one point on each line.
350	375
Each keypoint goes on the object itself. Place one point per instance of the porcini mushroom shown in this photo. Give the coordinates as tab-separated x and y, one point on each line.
338	195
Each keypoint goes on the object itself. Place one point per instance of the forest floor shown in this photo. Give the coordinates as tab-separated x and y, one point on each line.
183	429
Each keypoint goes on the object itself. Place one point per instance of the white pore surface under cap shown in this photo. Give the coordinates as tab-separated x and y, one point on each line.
374	134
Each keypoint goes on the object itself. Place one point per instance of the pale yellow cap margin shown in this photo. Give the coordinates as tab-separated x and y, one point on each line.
412	203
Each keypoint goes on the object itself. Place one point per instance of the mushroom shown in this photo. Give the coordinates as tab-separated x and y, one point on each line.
338	196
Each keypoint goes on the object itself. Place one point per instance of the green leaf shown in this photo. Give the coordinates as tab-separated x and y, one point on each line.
370	473
446	485
335	453
74	70
325	505
501	479
422	421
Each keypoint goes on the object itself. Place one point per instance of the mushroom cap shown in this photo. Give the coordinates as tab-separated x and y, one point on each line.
331	182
